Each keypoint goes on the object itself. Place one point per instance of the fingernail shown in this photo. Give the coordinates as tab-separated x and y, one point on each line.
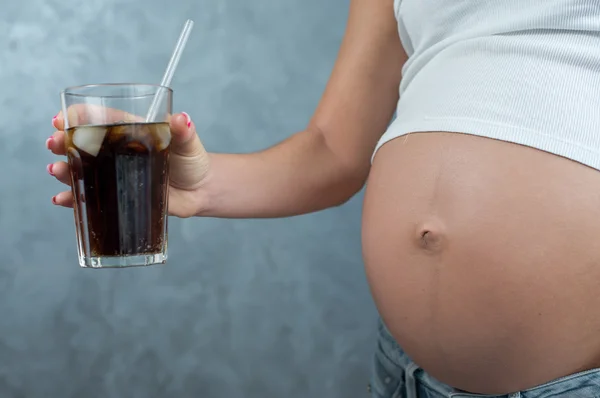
189	119
54	119
48	142
54	200
49	169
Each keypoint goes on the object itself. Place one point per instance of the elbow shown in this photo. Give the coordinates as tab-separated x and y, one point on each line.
348	170
352	183
344	199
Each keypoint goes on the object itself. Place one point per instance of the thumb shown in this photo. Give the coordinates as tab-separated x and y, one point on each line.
185	140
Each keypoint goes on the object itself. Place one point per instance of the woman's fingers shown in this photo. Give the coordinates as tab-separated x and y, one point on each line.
88	114
78	114
60	170
56	143
58	121
64	199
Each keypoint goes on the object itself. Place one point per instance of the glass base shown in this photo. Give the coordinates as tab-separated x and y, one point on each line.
136	260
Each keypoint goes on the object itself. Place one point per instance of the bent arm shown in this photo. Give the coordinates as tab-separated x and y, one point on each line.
329	162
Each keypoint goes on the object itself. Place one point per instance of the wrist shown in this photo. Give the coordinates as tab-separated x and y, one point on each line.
205	196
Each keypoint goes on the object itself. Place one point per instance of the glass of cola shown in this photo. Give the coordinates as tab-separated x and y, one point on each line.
117	141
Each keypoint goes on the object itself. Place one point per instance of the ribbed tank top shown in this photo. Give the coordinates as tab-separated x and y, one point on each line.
522	71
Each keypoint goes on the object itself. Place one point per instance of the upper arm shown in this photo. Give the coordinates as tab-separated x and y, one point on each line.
362	92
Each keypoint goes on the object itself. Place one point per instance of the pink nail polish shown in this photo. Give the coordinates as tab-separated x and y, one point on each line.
54	119
54	200
189	119
48	142
49	169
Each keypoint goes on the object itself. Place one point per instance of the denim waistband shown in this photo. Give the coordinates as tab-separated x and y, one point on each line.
580	385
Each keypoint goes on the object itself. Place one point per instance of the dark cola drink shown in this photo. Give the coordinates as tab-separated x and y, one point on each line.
120	180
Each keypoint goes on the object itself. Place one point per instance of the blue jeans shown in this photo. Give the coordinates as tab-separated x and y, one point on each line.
395	375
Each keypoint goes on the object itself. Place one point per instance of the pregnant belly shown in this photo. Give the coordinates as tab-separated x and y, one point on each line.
484	259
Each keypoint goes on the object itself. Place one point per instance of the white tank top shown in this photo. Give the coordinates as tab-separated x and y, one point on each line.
523	71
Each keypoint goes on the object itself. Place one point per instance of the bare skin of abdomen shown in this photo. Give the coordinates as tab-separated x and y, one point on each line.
484	259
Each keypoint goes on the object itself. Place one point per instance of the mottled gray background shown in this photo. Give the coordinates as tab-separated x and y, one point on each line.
254	308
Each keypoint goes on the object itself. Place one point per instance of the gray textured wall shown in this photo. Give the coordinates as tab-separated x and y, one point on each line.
254	308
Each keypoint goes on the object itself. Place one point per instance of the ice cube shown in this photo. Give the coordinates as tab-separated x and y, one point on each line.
118	132
162	135
89	138
136	146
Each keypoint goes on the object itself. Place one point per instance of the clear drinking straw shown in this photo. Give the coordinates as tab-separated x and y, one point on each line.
168	76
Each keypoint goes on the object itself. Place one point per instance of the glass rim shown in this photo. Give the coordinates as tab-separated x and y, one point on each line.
72	91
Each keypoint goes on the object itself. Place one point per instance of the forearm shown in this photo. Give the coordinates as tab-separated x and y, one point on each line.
299	175
327	164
